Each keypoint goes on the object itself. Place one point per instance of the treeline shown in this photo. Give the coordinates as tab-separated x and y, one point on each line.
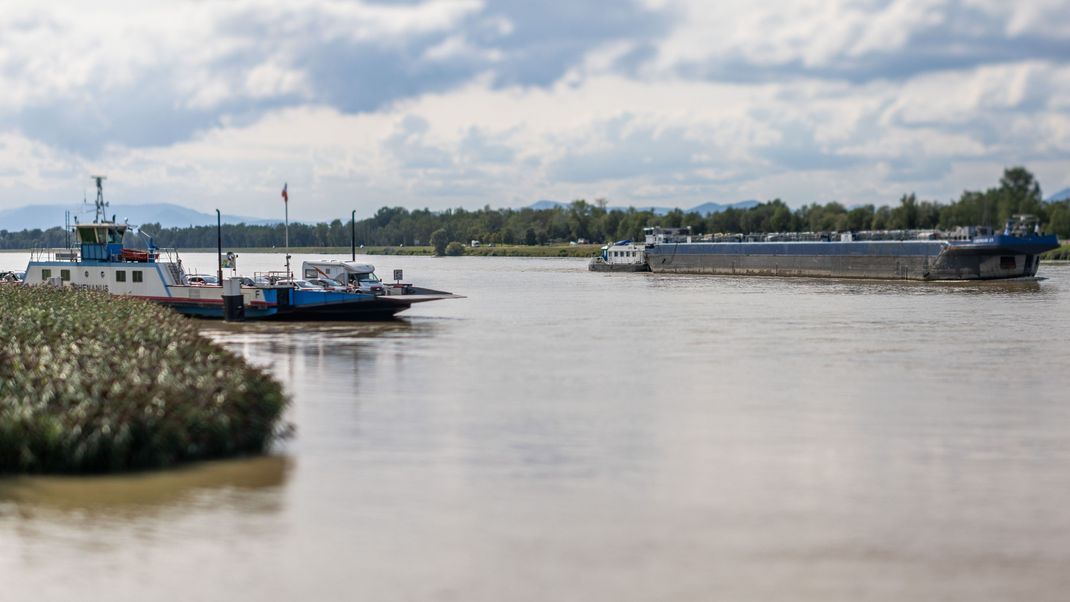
1017	192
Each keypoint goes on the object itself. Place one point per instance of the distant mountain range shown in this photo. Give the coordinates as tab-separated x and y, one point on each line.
1062	195
166	214
169	215
703	209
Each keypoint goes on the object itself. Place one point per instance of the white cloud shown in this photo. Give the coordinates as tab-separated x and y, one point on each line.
218	103
271	79
960	97
458	47
837	35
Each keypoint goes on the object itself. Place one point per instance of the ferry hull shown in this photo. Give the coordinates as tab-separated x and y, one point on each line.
601	266
886	260
294	305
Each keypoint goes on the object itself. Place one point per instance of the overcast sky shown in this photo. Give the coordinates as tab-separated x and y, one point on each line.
504	102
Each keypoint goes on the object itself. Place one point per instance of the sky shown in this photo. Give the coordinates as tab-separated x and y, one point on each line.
442	104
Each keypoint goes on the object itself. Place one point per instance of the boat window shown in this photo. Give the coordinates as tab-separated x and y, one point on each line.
120	275
87	234
65	275
1006	262
136	275
46	274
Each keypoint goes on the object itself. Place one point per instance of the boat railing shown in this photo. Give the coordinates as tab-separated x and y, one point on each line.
270	278
170	255
170	258
39	254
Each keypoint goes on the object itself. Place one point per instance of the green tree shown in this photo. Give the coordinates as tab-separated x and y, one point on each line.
454	249
905	216
439	240
1020	184
1059	222
780	221
860	218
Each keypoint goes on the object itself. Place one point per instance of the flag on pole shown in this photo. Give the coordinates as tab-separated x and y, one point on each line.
285	196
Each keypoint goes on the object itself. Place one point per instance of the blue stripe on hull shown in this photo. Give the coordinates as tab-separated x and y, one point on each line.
216	312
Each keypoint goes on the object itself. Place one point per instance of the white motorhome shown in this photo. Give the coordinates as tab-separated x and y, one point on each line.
358	276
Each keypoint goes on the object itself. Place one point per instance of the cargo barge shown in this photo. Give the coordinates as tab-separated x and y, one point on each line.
967	254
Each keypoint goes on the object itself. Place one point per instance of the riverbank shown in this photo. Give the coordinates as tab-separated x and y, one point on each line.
1060	254
92	383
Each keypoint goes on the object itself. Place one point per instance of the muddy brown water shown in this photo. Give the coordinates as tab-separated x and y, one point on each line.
564	435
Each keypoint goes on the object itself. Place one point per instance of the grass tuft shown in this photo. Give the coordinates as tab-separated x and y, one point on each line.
1060	254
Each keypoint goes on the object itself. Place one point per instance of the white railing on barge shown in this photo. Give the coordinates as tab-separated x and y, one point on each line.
40	254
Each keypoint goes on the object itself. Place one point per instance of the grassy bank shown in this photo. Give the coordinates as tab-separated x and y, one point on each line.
495	251
1060	254
535	251
95	383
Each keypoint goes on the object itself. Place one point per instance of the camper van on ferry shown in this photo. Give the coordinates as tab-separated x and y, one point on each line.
357	276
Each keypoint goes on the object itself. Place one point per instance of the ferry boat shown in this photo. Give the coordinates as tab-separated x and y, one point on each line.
965	254
111	258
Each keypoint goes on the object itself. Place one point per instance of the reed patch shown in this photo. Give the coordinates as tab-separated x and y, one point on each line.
93	383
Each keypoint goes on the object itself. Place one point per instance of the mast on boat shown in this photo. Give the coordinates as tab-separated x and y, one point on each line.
101	206
286	202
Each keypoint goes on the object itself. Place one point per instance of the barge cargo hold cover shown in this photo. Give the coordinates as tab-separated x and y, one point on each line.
1013	253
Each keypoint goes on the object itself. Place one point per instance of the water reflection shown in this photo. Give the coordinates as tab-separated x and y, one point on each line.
313	337
138	495
842	286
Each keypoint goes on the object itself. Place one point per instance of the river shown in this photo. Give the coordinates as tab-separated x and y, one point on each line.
565	435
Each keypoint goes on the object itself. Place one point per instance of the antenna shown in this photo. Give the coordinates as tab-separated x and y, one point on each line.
101	206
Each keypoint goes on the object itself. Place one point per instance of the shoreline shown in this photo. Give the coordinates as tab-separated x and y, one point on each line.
585	251
1055	256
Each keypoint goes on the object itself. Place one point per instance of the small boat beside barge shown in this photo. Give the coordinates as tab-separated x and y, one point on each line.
967	254
621	256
